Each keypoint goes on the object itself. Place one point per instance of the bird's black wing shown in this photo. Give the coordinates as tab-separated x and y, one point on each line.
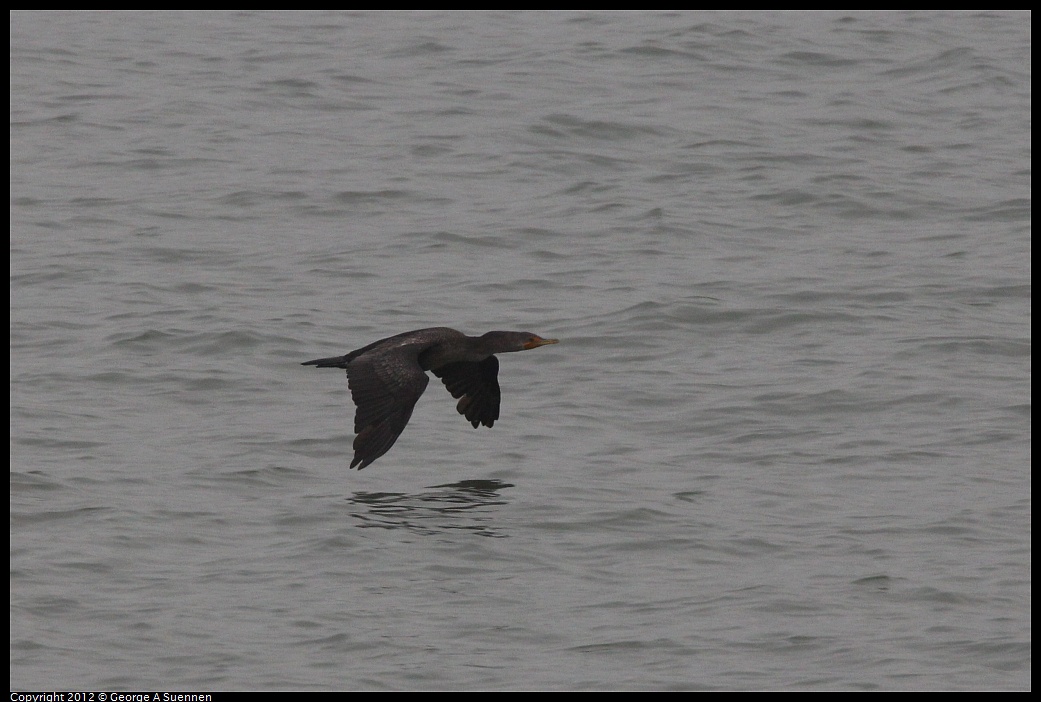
477	385
385	387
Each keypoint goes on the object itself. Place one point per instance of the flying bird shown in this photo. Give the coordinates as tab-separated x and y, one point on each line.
387	377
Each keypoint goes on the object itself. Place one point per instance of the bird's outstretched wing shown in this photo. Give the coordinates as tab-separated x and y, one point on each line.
477	385
385	387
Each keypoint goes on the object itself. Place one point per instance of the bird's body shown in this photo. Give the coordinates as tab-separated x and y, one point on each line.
387	377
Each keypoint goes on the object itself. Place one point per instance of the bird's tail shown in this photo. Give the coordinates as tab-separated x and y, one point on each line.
333	362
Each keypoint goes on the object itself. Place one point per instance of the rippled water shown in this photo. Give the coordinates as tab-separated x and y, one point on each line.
783	444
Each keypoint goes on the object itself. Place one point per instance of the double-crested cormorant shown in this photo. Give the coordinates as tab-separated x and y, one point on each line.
386	379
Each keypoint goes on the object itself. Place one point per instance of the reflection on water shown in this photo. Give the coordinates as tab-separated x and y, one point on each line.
464	505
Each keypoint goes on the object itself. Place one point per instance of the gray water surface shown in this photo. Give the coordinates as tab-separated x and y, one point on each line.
785	440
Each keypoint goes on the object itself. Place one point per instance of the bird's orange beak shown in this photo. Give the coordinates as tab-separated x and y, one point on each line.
539	341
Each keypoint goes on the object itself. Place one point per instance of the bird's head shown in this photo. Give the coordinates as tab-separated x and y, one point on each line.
504	341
